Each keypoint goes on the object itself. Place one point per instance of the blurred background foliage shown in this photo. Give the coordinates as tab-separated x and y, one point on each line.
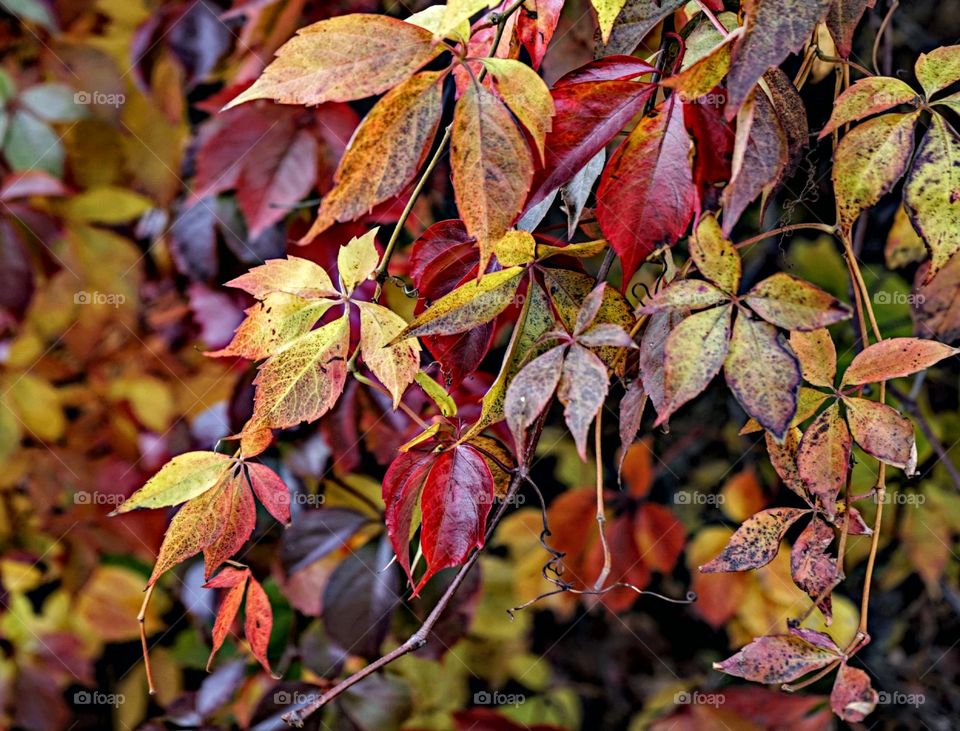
127	201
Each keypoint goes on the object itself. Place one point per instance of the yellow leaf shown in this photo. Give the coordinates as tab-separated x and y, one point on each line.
938	69
357	261
458	12
492	167
343	58
437	393
182	478
395	365
527	96
108	604
433	19
607	12
106	204
149	398
516	248
38	407
303	381
715	256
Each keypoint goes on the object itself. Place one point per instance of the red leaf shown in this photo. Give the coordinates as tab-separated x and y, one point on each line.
646	194
895	358
236	581
713	139
660	537
756	542
588	115
457	496
610	68
402	486
852	697
842	20
536	23
812	568
237	514
823	457
258	622
270	490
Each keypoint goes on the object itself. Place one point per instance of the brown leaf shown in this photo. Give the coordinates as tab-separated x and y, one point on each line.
777	659
823	457
811	567
882	432
853	697
583	389
817	355
756	542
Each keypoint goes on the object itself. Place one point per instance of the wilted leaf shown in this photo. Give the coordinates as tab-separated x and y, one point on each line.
258	622
853	697
637	18
842	20
235	582
583	389
529	392
756	542
823	458
685	294
812	568
343	58
777	659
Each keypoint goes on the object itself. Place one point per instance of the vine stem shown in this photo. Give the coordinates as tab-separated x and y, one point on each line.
601	508
823	227
142	622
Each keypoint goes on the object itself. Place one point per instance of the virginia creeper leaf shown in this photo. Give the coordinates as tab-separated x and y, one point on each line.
235	581
646	194
317	533
811	567
395	365
777	659
783	457
529	392
238	516
842	20
637	18
869	161
526	94
607	12
357	260
343	58
894	358
853	697
386	152
583	389
695	352
794	304
492	167
293	276
774	29
270	490
938	69
258	622
756	542
817	355
823	458
882	432
932	193
763	374
470	305
182	478
715	256
867	97
684	294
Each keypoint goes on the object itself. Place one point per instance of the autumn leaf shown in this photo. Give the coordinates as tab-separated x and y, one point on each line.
817	355
357	260
270	490
685	294
938	69
777	659
842	20
646	194
293	275
932	193
774	29
763	374
756	542
258	622
637	18
894	358
823	457
853	697
179	480
235	582
302	382
583	389
395	365
869	161
867	97
793	304
607	12
527	96
882	432
387	150
695	352
341	59
469	305
530	391
811	567
715	256
492	167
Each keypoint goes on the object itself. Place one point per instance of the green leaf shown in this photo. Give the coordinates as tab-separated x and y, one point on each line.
794	304
869	161
694	354
32	145
932	193
938	69
182	478
469	305
867	97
